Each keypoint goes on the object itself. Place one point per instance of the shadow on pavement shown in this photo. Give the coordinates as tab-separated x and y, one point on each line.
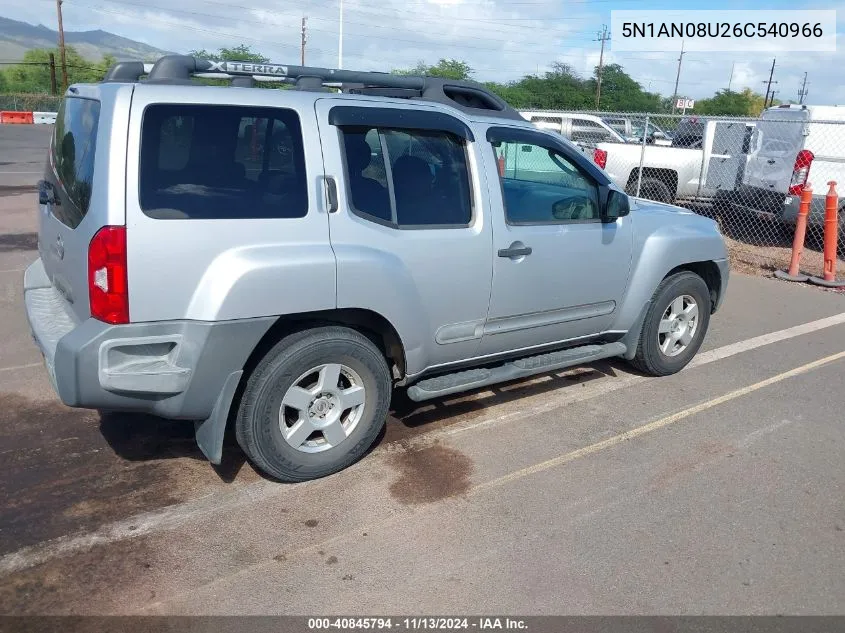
141	437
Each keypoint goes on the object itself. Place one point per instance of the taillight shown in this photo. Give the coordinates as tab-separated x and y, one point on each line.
108	290
600	157
800	172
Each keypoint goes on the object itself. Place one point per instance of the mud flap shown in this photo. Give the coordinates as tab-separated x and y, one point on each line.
210	432
632	338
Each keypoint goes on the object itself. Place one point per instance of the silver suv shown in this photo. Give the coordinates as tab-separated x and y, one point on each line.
282	260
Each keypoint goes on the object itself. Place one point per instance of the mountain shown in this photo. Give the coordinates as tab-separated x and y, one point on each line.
18	37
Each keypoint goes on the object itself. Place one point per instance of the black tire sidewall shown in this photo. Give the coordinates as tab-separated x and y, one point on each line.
654	185
681	284
657	186
281	367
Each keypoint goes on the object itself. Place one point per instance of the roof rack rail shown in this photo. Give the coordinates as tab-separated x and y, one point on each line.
127	71
467	96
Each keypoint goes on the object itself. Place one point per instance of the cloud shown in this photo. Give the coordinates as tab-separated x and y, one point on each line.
501	39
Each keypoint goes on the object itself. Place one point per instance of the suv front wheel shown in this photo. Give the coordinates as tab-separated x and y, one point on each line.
314	404
674	325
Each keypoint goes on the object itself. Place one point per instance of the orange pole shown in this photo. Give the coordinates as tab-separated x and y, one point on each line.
502	165
800	230
831	226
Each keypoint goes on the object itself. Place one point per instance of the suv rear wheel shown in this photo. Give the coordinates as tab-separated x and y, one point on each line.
314	404
674	325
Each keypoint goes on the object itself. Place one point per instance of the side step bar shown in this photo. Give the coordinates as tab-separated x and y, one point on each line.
474	378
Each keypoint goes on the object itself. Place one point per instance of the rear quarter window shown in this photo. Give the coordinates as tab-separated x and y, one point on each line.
72	155
222	162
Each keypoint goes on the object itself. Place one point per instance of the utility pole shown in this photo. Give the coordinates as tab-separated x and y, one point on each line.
770	82
772	100
677	78
803	92
603	36
62	45
53	89
731	80
303	39
340	39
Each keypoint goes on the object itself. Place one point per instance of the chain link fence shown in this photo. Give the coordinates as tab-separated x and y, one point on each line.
746	173
29	102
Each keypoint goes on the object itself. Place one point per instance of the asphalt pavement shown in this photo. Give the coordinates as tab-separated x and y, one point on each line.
23	150
592	491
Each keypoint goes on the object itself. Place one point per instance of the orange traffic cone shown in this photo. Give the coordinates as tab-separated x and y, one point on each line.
794	274
831	237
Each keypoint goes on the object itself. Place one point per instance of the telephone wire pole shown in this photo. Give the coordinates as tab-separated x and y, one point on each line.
62	45
677	78
603	36
770	82
803	92
302	43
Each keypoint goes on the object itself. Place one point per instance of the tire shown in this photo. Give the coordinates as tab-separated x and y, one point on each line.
320	366
650	358
653	189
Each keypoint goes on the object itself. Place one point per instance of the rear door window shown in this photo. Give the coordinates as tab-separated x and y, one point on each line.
781	132
222	162
72	157
408	178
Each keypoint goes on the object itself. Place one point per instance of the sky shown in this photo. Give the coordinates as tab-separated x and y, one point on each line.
500	39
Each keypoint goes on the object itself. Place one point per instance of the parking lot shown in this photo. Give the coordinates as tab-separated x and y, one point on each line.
592	491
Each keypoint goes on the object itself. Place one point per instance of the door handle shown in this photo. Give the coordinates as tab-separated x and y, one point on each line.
515	250
331	194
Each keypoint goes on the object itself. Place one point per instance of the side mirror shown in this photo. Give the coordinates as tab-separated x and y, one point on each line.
657	135
617	206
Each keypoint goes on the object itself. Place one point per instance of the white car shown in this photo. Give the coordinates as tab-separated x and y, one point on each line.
585	130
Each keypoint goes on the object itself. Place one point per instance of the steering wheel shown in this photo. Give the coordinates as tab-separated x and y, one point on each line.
574	208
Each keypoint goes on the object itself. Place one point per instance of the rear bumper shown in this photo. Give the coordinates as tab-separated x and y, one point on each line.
778	205
174	369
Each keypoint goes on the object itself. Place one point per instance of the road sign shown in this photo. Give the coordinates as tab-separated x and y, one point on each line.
685	104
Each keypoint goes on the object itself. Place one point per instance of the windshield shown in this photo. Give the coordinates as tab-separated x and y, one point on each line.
780	131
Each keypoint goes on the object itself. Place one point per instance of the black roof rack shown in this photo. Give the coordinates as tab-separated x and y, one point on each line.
468	96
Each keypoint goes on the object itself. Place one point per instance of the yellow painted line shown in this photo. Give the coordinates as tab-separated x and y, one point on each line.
653	426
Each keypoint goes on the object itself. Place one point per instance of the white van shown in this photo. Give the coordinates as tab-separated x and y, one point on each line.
793	145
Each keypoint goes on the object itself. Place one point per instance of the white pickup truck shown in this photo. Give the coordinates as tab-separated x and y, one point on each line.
715	163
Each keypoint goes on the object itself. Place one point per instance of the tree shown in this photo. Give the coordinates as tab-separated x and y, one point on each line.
32	75
445	68
620	93
561	88
730	103
240	53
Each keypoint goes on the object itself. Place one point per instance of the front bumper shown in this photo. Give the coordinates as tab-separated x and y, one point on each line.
173	369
